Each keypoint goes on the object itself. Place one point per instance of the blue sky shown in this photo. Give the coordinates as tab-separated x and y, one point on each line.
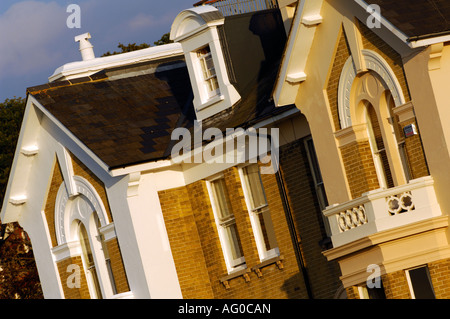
35	39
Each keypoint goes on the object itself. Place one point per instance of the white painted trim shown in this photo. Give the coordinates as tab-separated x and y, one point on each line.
123	295
226	249
312	20
296	77
30	150
85	68
254	220
18	200
108	231
430	41
66	250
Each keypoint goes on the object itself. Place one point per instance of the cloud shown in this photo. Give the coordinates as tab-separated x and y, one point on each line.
33	30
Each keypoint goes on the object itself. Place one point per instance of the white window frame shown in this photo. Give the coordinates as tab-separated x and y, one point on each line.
410	285
233	265
208	94
254	219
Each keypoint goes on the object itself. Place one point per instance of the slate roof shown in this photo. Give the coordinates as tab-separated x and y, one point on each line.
417	19
126	115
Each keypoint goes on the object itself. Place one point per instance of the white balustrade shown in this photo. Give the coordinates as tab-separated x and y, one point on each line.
382	209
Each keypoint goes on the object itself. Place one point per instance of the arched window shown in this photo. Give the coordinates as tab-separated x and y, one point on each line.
380	156
368	99
80	221
89	262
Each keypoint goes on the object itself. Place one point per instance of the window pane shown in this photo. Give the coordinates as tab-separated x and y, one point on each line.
253	180
268	233
86	246
378	145
421	283
234	241
89	259
221	199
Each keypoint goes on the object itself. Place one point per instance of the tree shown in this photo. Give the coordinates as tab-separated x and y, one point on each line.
165	39
11	114
18	274
128	48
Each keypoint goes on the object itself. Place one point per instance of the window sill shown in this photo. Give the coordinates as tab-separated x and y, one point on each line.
244	273
278	260
215	99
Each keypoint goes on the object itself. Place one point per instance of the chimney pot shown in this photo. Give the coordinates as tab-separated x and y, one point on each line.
86	48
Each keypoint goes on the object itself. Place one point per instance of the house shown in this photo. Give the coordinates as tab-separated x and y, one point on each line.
169	172
371	78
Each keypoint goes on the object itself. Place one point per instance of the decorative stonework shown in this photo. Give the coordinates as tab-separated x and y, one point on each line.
86	200
375	63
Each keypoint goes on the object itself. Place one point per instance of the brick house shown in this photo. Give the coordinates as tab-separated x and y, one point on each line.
113	212
372	82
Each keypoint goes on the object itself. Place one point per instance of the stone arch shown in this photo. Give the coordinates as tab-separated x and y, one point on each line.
376	63
66	213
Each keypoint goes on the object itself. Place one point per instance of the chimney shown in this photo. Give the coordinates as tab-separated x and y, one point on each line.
86	48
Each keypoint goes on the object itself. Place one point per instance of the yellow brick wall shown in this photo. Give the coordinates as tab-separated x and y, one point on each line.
73	293
396	284
56	181
415	154
440	278
359	167
307	218
198	254
80	169
342	54
117	267
113	248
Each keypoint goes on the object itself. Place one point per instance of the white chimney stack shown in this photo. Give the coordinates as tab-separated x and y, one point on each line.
86	48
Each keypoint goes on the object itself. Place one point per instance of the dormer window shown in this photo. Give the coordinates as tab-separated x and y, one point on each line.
196	30
209	72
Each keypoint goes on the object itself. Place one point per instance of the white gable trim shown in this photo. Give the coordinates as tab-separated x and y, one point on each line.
292	70
69	134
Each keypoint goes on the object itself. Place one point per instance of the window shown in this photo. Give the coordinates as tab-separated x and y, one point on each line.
400	138
372	293
376	141
208	71
89	242
420	284
89	262
259	212
226	224
319	187
101	238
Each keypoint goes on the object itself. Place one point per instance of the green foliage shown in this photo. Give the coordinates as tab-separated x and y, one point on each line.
128	48
11	114
165	39
18	276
